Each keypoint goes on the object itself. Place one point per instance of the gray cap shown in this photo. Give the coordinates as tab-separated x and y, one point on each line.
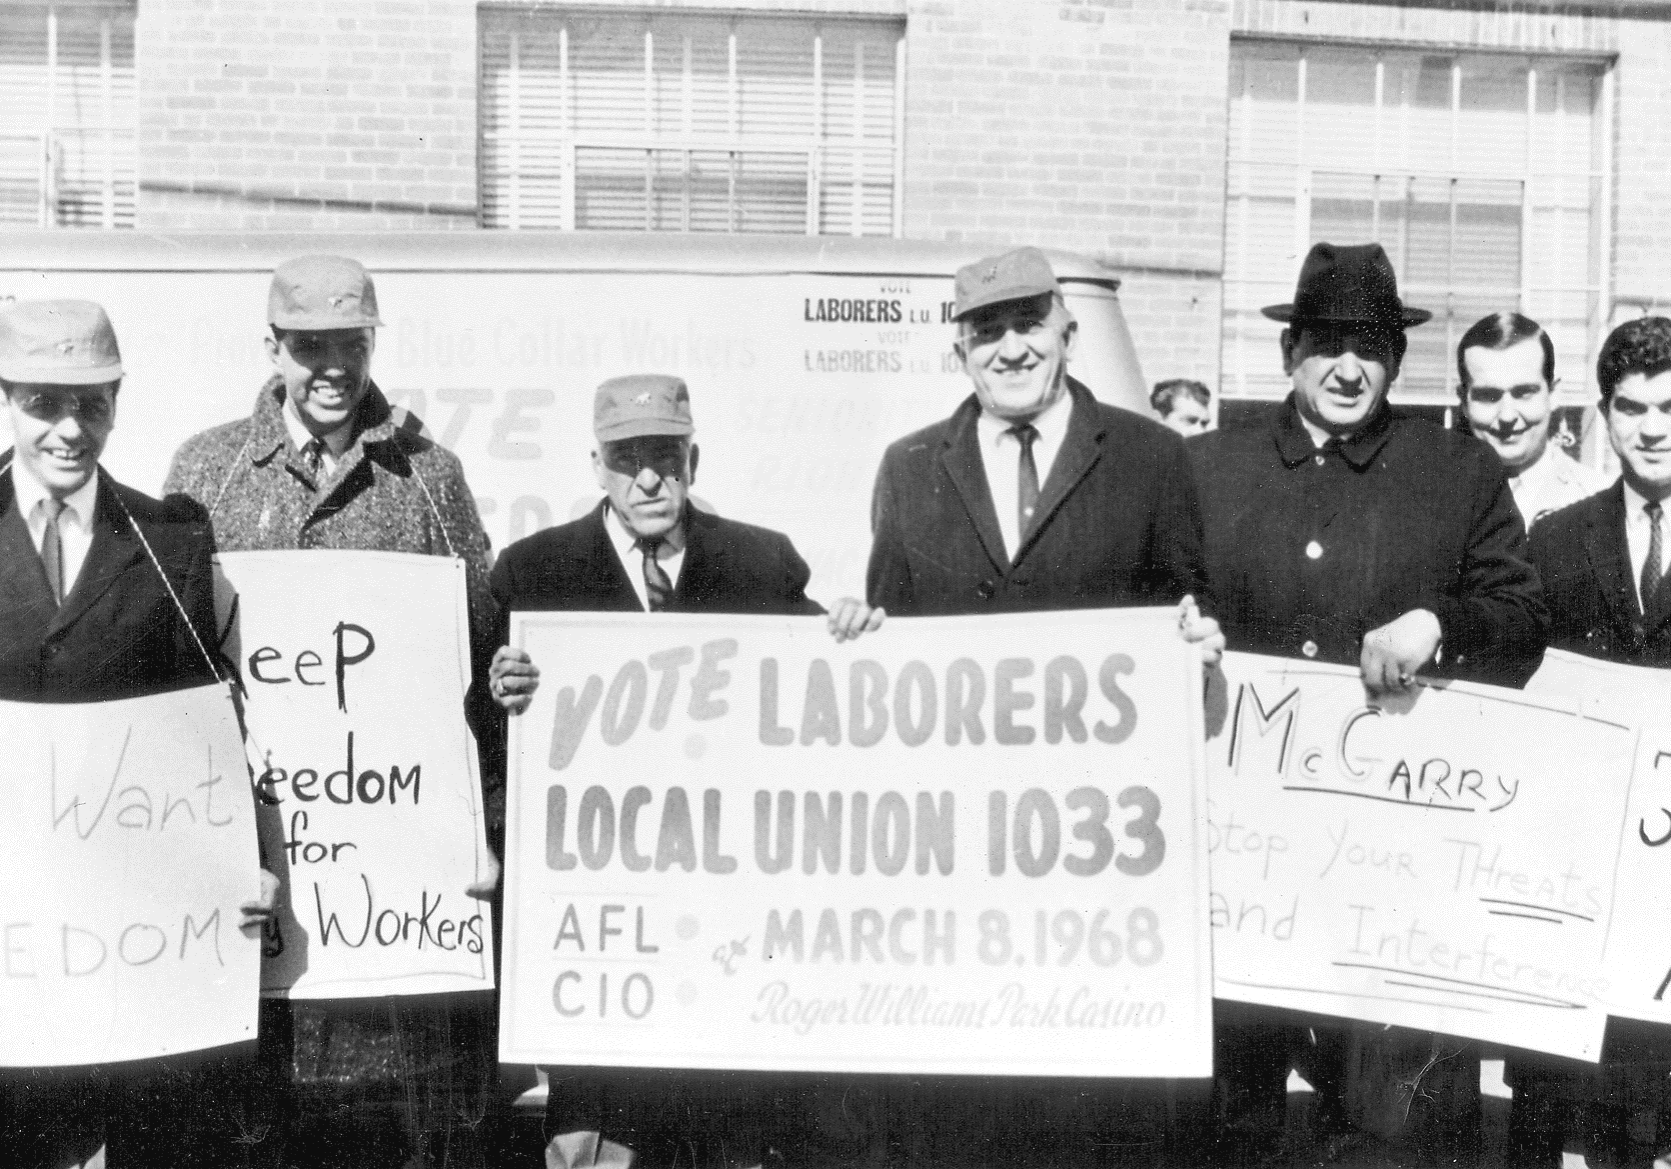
58	342
1016	275
640	404
322	292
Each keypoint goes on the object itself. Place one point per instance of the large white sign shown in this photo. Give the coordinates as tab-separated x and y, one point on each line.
1442	860
1637	963
952	846
127	846
355	666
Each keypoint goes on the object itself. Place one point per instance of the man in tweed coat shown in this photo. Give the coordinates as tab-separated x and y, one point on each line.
324	462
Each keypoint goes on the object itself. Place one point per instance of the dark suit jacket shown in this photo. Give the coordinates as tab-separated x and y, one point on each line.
1117	522
729	567
1581	554
1308	550
118	634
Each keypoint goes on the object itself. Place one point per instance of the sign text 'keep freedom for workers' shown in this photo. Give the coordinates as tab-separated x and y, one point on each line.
354	665
1441	860
128	845
952	846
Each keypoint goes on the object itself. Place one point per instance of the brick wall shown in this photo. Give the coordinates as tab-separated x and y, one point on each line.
1093	125
340	114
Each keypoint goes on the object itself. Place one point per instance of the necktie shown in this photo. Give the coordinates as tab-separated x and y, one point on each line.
313	458
1026	480
656	583
52	549
1653	567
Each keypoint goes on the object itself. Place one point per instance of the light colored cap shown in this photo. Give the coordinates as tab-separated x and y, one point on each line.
58	342
322	292
1015	275
639	404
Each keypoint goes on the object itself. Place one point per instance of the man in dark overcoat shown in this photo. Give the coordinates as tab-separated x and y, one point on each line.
646	549
1032	496
1603	562
105	594
1346	531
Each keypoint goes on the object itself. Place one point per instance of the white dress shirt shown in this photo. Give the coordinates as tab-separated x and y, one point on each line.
1551	483
336	442
1001	457
1637	534
625	543
75	522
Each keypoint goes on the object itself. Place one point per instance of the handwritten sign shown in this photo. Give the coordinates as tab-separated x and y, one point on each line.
128	844
952	846
1637	962
1442	860
355	665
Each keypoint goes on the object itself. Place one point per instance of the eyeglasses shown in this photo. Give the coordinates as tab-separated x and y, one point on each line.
95	407
630	458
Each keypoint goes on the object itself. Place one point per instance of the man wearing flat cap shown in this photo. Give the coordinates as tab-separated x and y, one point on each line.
1032	496
1346	531
105	594
646	549
323	461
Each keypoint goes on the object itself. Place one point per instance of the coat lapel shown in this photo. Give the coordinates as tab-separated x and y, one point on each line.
703	561
115	547
610	575
23	584
1609	556
961	460
1080	450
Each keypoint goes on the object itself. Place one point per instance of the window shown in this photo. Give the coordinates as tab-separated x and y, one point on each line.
690	122
67	155
1483	176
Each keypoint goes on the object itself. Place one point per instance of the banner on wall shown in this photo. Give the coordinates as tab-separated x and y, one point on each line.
955	845
355	666
1442	860
128	845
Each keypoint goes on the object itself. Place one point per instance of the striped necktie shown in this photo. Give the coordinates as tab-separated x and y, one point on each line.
657	586
1653	568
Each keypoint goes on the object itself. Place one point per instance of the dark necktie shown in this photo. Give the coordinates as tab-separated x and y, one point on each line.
1653	573
657	586
52	548
313	458
1026	481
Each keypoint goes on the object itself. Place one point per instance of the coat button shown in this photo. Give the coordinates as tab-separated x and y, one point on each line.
1318	459
986	590
1309	649
1313	550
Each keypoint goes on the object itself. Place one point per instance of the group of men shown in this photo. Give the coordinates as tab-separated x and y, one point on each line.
1342	531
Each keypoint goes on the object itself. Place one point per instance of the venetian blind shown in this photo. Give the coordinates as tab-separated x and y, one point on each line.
688	122
67	142
1479	174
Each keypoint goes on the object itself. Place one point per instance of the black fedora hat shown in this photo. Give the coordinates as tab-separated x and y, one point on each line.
1351	282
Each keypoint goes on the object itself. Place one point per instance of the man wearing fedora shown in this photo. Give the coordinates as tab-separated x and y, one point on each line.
105	594
1345	531
645	549
1032	496
323	461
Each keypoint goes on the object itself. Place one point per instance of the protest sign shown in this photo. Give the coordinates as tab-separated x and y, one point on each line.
951	846
1637	962
355	666
128	845
1430	860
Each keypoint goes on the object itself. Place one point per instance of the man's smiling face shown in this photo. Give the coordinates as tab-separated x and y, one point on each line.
1508	401
59	431
1016	352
